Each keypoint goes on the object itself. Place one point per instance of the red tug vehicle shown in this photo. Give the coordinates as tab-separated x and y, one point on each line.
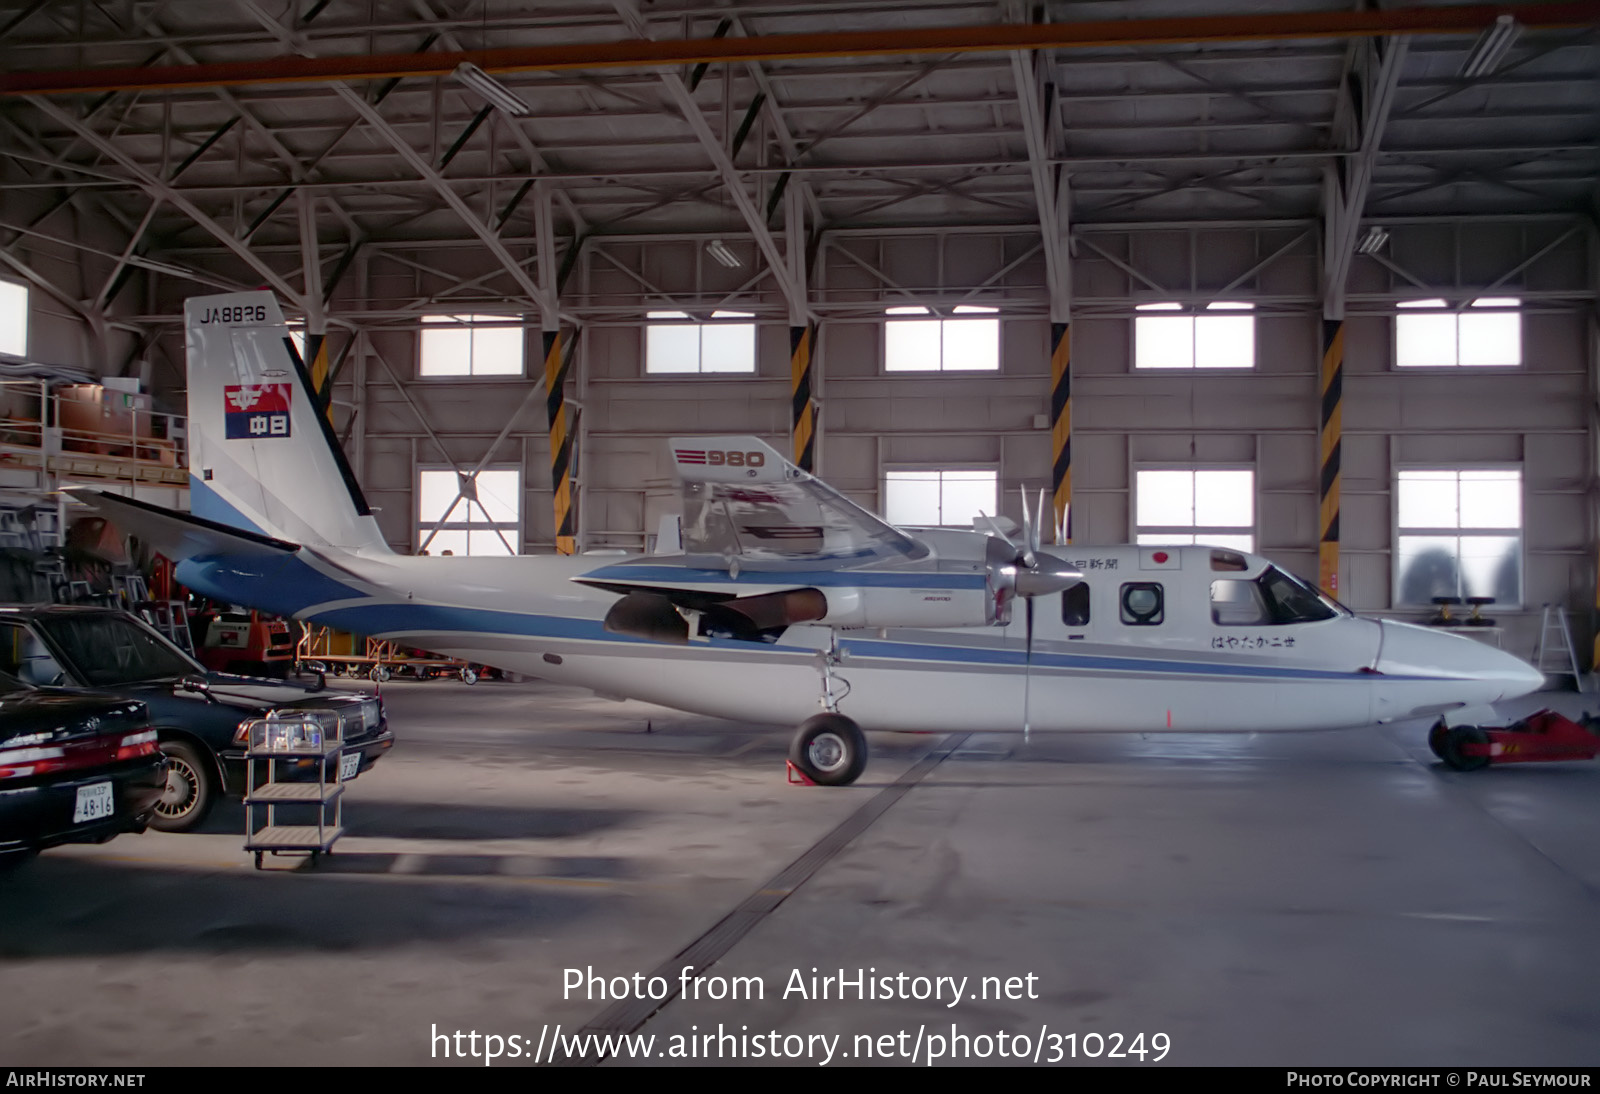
1541	737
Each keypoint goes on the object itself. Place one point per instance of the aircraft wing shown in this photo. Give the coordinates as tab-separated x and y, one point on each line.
743	503
179	536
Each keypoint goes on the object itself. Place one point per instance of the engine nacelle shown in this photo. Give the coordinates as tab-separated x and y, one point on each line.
908	607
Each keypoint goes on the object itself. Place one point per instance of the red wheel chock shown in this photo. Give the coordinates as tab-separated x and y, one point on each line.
795	776
1539	738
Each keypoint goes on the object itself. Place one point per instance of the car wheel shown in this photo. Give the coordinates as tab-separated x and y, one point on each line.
190	792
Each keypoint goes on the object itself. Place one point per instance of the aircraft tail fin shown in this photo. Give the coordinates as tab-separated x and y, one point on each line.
263	458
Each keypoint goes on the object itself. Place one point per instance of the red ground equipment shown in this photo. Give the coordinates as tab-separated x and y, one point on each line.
1538	738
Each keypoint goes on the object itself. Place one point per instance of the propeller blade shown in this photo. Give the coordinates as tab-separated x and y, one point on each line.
995	530
1027	670
1038	524
1030	535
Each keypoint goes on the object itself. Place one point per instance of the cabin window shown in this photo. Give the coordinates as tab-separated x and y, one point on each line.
916	340
1220	335
1143	604
675	343
1075	605
1459	533
13	319
469	514
1433	334
461	345
939	497
1178	507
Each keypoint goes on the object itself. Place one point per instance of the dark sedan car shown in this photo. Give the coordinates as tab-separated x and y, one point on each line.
74	768
197	714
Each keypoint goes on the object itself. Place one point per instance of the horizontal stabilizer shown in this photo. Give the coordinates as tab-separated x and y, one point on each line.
179	536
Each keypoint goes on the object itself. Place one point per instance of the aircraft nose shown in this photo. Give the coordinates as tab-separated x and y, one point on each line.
1410	650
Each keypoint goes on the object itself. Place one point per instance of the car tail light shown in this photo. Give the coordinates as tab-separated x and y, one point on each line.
17	763
137	744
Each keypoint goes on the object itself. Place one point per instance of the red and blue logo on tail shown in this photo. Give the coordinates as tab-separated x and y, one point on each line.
256	411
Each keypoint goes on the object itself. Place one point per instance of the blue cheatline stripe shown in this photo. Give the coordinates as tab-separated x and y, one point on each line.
830	578
206	502
1091	662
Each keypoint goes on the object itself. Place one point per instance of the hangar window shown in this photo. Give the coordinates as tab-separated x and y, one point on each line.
946	496
1175	507
674	342
915	341
1459	533
13	319
469	514
1222	335
460	345
1432	334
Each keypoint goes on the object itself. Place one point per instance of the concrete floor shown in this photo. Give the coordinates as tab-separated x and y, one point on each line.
1334	899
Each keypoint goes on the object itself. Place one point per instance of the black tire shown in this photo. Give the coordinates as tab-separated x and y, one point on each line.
191	789
1436	738
829	749
1450	748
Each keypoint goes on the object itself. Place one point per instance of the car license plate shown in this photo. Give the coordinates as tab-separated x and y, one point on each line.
94	803
349	764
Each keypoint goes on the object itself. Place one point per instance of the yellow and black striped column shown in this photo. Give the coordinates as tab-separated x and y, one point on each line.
803	397
316	363
1061	425
555	383
1330	424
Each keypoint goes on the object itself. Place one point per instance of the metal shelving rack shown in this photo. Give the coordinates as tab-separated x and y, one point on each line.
288	738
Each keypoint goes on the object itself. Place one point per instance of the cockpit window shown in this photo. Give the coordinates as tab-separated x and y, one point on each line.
1274	599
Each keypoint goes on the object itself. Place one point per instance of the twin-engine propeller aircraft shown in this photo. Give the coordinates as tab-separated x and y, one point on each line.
786	602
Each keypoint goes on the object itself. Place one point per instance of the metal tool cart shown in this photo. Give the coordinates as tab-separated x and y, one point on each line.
282	743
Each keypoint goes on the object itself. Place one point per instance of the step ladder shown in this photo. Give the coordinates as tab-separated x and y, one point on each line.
1555	652
170	618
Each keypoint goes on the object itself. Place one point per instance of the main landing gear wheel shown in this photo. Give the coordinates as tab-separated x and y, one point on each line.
829	749
1447	743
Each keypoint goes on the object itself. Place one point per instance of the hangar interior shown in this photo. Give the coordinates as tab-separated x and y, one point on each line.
1316	278
1335	178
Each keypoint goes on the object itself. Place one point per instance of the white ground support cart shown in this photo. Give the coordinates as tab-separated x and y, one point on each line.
287	814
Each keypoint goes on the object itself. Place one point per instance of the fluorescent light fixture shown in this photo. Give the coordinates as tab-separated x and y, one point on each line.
491	90
1372	241
906	309
719	251
1490	48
